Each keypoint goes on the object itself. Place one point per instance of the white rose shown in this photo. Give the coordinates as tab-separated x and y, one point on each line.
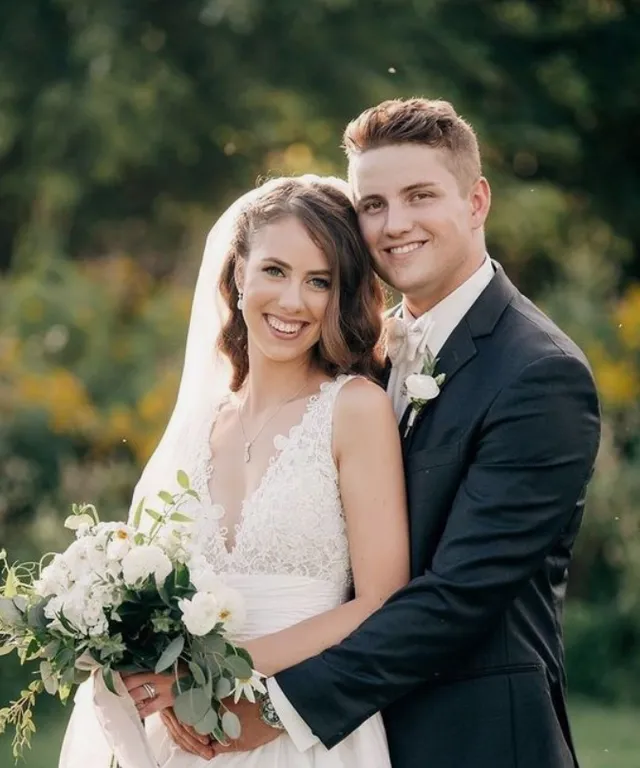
204	579
144	561
231	609
422	387
54	579
200	614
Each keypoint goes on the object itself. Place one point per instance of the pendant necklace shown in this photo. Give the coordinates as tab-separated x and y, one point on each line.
248	444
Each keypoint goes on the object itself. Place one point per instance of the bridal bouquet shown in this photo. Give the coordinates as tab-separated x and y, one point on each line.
127	598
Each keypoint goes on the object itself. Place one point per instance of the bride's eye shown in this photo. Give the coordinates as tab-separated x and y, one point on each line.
322	283
273	270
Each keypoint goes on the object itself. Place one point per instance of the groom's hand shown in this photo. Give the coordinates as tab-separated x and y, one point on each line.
255	732
187	738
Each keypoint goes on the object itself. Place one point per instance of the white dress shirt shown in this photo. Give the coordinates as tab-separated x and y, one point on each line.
444	317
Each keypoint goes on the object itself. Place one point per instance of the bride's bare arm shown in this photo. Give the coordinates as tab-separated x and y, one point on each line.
368	455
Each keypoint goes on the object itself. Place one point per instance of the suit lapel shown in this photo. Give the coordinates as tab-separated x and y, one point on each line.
460	347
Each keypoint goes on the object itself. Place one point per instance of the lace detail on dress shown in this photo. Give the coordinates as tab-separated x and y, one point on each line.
293	523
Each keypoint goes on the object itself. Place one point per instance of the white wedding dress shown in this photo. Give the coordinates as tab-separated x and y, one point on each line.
290	561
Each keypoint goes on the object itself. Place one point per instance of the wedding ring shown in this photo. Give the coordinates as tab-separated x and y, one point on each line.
150	689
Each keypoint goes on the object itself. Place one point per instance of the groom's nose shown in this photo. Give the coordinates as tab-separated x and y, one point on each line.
398	220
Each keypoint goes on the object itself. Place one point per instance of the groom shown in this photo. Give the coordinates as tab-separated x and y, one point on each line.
466	662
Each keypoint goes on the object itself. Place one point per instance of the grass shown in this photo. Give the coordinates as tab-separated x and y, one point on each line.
605	738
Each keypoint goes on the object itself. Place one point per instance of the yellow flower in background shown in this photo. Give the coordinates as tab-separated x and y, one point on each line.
618	381
627	317
62	396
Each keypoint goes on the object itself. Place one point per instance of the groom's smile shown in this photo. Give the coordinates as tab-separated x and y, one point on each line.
422	224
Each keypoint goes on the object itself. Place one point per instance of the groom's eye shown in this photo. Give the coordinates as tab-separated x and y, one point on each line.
371	206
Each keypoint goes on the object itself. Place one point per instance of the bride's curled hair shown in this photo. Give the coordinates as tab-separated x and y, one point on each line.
351	328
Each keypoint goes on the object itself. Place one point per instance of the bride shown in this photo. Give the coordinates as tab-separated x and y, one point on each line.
295	452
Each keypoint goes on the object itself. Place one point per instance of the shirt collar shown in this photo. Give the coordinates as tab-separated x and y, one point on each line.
447	313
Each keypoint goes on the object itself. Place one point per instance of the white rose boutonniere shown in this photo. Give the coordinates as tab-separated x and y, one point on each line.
422	387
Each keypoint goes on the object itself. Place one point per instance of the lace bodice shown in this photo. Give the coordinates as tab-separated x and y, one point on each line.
293	523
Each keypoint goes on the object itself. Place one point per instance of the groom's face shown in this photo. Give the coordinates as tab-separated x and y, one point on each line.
423	228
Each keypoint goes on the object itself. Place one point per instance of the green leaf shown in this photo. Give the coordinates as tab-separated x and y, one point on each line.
183	479
213	644
35	615
208	723
50	650
137	515
46	673
11	584
6	649
198	674
8	612
68	677
166	497
154	515
138	539
223	688
20	602
238	667
178	517
190	707
231	725
194	494
170	654
107	676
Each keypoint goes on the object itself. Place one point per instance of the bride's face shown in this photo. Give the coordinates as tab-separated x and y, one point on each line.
286	282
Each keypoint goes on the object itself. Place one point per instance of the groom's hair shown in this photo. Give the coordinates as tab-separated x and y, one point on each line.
433	123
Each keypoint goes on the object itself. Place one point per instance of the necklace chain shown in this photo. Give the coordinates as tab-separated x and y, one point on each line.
248	444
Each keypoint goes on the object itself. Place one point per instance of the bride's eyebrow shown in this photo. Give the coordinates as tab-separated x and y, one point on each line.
285	265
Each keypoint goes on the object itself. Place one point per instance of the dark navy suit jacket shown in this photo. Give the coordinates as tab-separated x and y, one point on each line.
466	662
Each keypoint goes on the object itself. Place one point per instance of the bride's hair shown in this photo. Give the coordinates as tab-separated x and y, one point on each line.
351	329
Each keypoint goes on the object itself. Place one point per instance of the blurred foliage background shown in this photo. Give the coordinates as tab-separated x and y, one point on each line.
125	128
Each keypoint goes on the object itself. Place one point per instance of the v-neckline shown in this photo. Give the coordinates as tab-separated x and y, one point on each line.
273	462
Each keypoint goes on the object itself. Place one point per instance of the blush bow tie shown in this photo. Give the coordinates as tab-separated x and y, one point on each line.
407	342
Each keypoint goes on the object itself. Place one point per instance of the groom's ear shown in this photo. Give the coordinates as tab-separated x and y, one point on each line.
480	199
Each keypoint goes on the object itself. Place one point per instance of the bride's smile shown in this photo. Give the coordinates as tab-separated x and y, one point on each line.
287	285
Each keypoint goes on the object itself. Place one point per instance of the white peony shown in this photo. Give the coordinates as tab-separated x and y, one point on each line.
144	561
421	387
200	614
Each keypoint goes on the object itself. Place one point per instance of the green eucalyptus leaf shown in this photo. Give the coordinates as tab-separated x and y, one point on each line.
166	497
170	654
35	615
223	688
208	724
190	707
48	678
198	674
214	644
238	667
231	725
194	494
183	479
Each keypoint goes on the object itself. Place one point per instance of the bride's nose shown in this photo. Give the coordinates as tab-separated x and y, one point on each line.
291	299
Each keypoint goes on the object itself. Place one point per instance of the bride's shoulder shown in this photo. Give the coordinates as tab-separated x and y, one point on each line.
362	406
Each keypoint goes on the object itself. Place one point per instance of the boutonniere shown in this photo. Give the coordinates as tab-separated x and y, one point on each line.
422	387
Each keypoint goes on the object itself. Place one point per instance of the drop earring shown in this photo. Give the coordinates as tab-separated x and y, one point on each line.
240	301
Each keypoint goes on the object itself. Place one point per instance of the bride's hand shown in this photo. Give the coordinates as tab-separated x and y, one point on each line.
187	738
147	703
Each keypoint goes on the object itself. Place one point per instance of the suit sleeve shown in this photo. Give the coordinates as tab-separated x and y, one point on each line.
534	457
